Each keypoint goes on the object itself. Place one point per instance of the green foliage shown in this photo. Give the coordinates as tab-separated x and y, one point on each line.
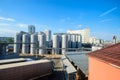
1	41
10	40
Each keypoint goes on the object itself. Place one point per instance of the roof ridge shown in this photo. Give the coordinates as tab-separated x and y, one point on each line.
105	47
110	54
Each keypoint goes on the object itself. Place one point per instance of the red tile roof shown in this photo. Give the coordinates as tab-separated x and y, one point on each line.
109	54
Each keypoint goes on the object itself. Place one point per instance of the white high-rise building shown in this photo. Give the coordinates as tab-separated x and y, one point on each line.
34	39
17	41
41	40
25	43
79	41
48	35
64	43
55	38
31	41
94	40
31	29
85	33
74	41
48	38
69	41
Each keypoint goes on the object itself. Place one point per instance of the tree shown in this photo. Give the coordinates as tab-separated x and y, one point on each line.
10	40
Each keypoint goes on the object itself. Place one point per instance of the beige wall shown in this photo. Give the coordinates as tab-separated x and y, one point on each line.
99	70
85	33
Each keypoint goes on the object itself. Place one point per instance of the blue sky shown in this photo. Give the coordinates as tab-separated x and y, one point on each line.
102	17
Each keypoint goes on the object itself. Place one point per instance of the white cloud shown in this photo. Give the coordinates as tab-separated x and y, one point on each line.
118	29
4	24
105	20
43	25
103	35
61	30
21	25
7	32
108	11
65	19
79	26
7	19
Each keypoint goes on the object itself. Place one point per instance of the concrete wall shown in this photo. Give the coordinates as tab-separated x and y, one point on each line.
25	70
99	70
